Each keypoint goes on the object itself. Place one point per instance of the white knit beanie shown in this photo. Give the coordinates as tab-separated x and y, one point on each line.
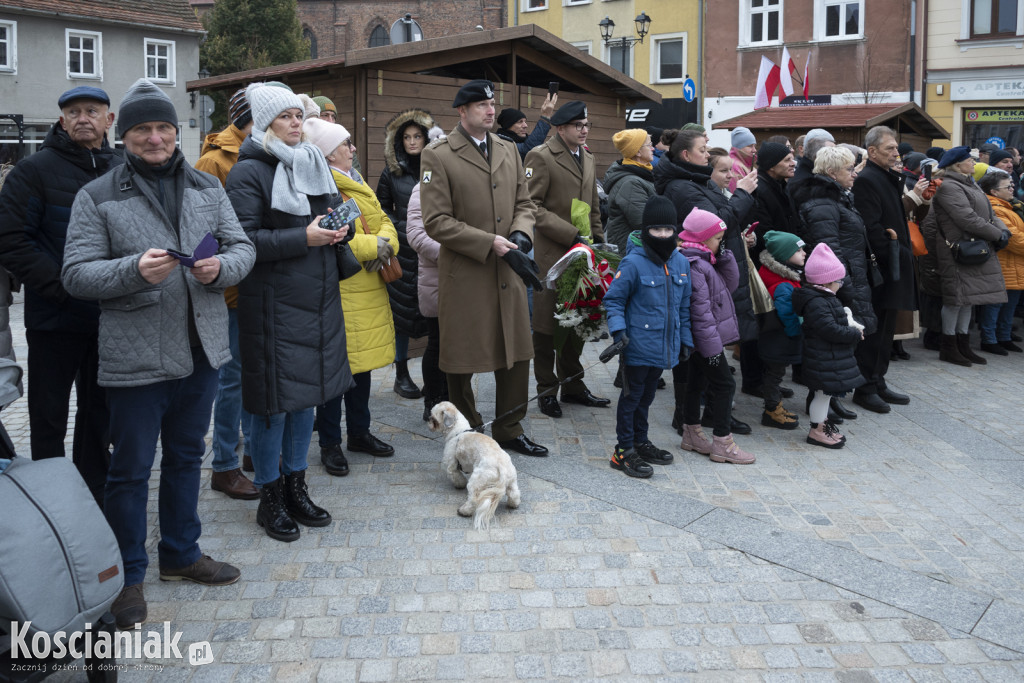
324	134
266	102
311	109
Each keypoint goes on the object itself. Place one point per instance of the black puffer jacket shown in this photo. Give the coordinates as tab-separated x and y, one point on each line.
827	214
829	341
393	191
688	186
775	210
35	207
290	324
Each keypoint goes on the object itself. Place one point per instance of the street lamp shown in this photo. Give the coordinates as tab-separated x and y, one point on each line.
607	26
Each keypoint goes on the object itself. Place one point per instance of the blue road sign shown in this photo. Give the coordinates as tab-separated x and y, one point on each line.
689	90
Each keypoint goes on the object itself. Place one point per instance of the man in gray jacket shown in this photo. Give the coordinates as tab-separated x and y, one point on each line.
163	332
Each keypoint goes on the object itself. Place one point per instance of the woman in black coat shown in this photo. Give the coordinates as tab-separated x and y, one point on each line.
405	138
683	175
291	330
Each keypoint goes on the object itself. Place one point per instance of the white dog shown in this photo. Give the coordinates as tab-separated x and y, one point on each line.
490	470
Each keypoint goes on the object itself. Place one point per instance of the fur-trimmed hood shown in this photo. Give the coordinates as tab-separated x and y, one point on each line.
394	151
778	267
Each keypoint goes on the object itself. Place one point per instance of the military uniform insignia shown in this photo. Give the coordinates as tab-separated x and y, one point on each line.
585	112
528	172
426	177
488	92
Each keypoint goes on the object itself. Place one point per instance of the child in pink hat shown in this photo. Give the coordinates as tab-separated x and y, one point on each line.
713	277
830	336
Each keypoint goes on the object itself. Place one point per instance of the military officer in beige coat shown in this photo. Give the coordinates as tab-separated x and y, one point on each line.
476	205
558	171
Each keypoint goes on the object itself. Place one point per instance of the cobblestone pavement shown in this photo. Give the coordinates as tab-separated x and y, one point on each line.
897	558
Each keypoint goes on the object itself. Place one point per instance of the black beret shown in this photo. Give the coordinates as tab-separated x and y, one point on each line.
569	112
474	91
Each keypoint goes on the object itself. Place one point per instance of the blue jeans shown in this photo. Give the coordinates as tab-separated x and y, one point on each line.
178	413
227	407
282	438
357	413
996	320
639	384
401	348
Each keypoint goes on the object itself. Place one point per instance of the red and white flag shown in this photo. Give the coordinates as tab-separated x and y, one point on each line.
767	83
788	67
807	83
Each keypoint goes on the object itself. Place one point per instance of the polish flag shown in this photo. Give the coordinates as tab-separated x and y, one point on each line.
807	83
767	83
788	67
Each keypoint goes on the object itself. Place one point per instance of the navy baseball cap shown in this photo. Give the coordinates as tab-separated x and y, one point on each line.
83	92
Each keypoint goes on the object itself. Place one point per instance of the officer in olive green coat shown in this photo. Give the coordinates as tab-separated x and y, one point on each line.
476	205
558	171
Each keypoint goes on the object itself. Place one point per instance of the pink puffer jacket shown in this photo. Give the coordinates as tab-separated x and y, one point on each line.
428	249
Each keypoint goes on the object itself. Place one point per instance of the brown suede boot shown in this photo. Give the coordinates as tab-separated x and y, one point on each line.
949	352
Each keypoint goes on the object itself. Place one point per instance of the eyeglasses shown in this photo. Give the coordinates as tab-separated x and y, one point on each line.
351	143
851	169
91	112
581	125
1004	188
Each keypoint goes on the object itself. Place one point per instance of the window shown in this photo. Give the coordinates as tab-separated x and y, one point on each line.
576	2
532	5
84	54
838	19
994	17
379	37
160	60
763	22
8	46
620	58
668	58
307	35
584	46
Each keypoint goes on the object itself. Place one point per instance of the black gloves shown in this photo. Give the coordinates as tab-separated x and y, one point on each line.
1003	240
523	266
521	241
578	239
621	342
684	353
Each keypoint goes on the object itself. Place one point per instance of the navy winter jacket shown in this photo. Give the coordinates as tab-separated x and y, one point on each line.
651	301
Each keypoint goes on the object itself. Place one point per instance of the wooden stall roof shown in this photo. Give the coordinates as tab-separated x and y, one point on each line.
836	116
478	54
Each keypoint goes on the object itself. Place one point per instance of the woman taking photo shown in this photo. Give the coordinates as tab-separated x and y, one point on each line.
683	175
629	183
961	212
405	138
369	330
291	331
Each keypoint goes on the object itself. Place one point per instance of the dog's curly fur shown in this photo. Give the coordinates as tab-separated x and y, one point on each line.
478	456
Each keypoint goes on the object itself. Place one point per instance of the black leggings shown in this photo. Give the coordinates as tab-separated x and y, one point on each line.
720	385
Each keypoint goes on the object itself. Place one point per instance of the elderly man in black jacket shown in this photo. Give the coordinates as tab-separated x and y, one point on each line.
61	331
877	193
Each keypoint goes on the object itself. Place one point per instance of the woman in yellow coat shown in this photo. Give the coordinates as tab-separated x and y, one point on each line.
996	320
369	328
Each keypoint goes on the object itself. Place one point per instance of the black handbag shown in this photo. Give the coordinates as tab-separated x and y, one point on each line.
970	252
875	278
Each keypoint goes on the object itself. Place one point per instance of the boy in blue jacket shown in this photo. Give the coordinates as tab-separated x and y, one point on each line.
648	307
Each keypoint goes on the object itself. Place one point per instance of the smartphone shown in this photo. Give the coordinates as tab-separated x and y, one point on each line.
928	172
344	214
553	88
751	228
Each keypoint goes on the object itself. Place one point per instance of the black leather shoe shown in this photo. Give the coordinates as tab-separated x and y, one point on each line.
368	443
735	426
298	504
872	402
521	444
890	396
271	514
587	399
549	406
837	406
661	383
786	392
334	460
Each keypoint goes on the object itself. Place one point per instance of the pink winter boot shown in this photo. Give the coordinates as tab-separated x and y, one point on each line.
825	434
695	440
724	449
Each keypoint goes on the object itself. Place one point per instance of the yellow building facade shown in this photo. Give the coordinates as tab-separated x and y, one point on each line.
669	52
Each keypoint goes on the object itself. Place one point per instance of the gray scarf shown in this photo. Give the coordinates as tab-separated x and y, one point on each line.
303	172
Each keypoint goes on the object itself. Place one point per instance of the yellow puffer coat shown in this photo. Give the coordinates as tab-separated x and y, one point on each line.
369	328
1012	257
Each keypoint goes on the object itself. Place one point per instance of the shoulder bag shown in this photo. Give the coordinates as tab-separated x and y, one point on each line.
392	269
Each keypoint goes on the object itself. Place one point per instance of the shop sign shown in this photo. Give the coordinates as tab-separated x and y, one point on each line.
994	115
990	89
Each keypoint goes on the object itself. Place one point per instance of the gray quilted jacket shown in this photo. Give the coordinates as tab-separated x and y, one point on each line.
143	335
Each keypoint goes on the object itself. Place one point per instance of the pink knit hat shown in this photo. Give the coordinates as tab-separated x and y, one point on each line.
701	225
823	267
324	134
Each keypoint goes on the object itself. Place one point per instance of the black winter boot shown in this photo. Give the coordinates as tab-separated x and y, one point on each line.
950	352
271	513
297	502
963	345
404	386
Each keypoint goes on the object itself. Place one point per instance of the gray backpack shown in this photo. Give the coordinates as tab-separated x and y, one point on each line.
60	566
